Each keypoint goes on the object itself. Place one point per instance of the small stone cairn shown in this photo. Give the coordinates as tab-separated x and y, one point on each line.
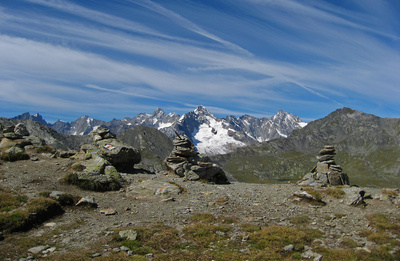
326	171
185	162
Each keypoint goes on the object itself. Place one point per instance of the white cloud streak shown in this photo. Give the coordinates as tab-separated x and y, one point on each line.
337	53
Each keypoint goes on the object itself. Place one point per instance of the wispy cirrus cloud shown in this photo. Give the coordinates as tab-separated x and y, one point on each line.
280	54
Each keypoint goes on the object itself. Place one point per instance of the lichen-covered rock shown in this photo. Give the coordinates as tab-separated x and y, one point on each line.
100	162
95	174
14	153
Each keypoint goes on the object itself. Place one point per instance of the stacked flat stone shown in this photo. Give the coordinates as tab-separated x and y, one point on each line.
326	171
185	162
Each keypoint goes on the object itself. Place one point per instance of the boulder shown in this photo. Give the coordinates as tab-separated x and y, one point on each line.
101	161
14	153
121	156
20	129
98	174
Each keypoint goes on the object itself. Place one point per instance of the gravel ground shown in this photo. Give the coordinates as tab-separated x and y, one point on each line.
259	204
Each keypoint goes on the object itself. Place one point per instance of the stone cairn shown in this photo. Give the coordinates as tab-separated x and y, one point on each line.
326	171
185	162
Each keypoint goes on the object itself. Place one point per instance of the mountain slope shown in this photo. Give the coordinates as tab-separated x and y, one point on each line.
49	135
368	149
154	146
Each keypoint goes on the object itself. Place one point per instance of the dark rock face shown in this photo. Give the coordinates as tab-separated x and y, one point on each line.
185	162
326	171
154	146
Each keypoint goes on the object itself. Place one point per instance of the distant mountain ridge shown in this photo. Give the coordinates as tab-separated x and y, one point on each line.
367	148
210	134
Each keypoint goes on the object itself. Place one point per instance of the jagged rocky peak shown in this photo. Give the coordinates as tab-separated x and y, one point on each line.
35	117
159	113
201	110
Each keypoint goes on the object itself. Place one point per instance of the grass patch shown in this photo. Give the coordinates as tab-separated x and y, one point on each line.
335	192
203	234
203	217
36	212
10	201
300	220
276	237
317	196
390	192
381	222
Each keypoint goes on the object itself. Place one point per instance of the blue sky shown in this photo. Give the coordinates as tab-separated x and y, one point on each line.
115	59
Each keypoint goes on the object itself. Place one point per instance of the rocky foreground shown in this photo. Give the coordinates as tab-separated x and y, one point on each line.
238	213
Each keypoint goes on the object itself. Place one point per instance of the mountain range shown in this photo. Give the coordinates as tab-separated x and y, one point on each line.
211	135
367	148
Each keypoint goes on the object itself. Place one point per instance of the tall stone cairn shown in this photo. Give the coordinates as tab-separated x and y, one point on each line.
185	162
326	171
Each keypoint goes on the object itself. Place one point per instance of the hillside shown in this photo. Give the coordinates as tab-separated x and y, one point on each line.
367	146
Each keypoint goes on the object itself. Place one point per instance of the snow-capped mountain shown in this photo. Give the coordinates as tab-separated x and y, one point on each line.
210	134
213	135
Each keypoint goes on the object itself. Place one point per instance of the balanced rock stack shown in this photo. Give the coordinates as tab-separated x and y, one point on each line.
185	162
326	171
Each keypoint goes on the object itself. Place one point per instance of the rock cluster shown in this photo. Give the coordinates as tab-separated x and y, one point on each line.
185	162
326	171
14	139
101	161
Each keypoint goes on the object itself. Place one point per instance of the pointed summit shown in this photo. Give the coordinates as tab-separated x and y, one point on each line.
158	113
202	110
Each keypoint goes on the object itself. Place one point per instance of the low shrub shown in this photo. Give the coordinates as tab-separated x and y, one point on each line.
335	192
